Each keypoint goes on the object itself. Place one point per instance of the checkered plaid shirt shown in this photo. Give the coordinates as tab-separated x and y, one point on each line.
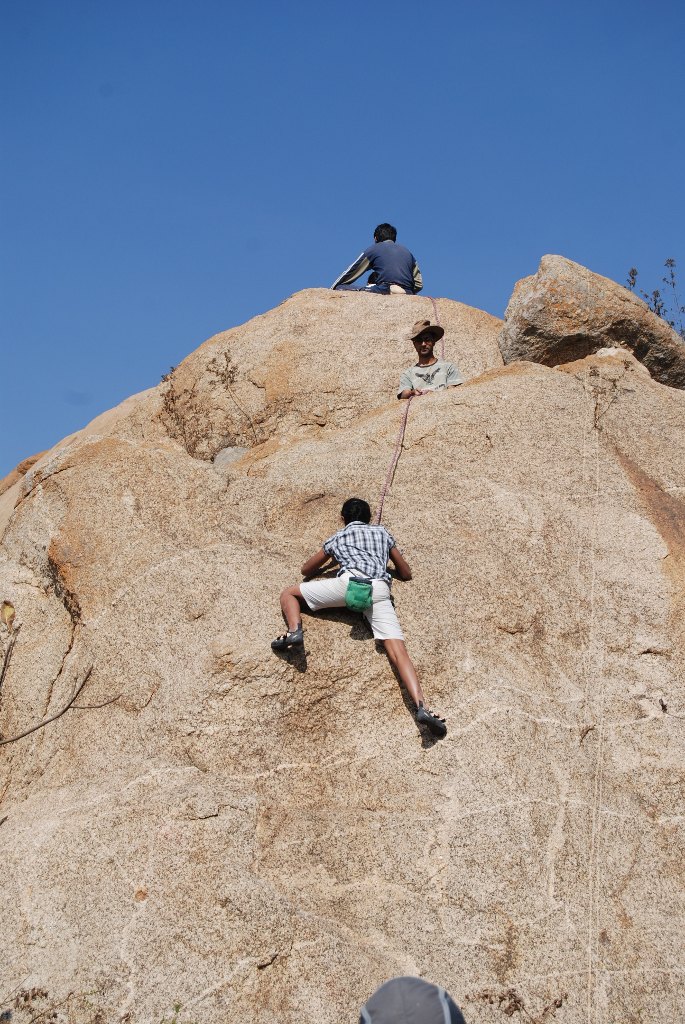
362	548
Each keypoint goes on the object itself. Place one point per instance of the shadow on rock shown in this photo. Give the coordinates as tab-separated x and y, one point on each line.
360	631
428	740
359	628
296	656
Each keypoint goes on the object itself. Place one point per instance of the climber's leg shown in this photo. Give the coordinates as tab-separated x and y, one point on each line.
386	627
315	594
290	606
399	659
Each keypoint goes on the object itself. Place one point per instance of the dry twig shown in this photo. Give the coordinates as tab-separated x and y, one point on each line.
52	718
8	655
94	707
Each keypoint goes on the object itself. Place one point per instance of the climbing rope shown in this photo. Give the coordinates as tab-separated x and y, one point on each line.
393	462
437	320
400	434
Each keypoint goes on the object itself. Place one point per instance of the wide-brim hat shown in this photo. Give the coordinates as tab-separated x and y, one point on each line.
426	327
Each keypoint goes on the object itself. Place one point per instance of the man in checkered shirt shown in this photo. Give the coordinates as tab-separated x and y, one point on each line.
362	551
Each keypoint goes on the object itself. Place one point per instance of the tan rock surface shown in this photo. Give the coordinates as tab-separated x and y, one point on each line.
566	312
267	839
17	473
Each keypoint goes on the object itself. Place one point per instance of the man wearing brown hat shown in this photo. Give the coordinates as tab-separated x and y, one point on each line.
430	373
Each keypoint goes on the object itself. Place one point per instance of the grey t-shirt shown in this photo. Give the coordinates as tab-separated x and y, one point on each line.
440	374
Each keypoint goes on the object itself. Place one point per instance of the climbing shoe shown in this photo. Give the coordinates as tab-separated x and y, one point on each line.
294	638
434	722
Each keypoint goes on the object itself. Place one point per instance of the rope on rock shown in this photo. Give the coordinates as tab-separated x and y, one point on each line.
393	462
437	320
400	434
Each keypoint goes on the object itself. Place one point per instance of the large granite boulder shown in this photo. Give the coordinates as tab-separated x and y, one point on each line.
566	312
213	833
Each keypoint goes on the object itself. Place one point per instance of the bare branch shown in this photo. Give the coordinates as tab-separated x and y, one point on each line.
94	707
52	718
51	1009
8	655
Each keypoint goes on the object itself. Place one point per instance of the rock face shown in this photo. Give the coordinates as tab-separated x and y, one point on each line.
566	312
20	471
213	833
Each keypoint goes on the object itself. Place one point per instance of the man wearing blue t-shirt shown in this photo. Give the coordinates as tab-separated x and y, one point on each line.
394	271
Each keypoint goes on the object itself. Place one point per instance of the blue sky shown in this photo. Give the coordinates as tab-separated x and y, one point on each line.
170	169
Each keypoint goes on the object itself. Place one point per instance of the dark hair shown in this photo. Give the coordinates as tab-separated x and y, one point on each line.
385	233
356	510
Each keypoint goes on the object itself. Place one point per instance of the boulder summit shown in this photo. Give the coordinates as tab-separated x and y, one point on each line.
206	832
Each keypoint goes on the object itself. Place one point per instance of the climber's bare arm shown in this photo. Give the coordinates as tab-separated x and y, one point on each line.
403	570
315	563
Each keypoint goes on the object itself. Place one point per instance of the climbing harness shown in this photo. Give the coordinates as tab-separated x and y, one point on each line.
400	435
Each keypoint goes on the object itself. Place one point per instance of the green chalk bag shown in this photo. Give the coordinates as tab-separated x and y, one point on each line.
359	594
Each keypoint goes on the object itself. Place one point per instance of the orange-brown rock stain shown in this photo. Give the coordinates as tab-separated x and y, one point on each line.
667	513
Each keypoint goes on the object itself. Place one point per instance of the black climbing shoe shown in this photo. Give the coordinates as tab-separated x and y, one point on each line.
434	722
295	638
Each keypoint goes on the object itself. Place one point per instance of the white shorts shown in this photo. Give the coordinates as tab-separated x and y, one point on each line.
330	593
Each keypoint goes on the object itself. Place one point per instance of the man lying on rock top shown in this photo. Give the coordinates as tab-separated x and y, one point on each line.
430	373
394	269
363	583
